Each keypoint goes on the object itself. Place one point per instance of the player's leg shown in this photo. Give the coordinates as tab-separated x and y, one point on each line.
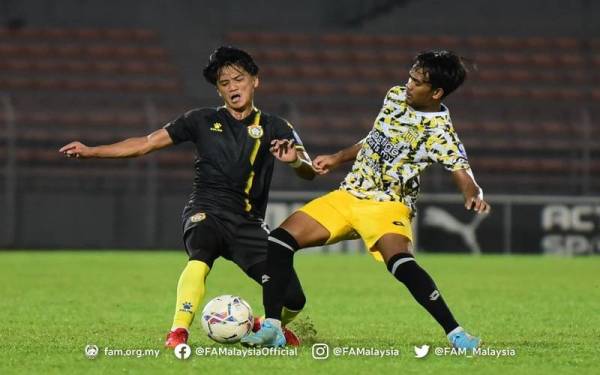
298	231
279	273
386	229
294	298
201	243
293	304
400	261
317	223
249	252
323	220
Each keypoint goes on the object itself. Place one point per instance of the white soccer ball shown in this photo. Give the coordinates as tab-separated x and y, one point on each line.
226	319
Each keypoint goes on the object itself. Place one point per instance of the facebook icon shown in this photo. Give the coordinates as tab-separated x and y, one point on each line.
182	351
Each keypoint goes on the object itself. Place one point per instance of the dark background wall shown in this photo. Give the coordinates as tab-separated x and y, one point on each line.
192	29
106	212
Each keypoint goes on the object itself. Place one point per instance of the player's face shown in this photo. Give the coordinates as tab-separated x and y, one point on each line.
236	86
419	93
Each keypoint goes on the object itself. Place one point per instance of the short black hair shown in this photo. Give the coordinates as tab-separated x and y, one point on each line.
228	56
444	69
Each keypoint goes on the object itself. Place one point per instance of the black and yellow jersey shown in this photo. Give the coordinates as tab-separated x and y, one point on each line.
401	144
233	166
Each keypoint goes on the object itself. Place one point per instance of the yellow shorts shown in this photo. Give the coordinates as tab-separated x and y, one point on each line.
347	217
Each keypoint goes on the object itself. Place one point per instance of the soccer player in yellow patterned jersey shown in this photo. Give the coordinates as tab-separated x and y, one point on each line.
376	200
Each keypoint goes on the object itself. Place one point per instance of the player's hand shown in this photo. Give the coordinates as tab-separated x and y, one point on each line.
477	204
325	163
284	150
76	150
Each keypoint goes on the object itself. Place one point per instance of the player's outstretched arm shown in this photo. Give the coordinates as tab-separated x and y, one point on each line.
284	150
128	148
472	193
325	163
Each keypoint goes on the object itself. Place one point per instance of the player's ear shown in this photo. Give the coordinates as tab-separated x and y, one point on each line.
438	93
256	82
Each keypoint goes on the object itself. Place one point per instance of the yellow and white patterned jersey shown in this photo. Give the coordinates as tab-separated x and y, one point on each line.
402	143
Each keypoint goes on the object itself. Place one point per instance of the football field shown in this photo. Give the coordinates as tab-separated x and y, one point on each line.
534	314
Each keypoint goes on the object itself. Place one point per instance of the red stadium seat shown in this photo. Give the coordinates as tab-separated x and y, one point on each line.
240	37
334	40
341	72
359	56
268	38
361	41
303	55
335	56
388	41
296	40
567	43
311	71
275	55
538	42
356	89
479	43
509	42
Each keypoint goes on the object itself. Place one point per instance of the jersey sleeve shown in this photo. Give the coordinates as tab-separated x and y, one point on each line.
285	130
183	128
445	148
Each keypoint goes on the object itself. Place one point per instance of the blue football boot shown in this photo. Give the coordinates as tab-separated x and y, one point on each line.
462	340
269	336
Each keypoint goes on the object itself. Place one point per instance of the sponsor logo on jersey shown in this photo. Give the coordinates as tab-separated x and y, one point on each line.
217	127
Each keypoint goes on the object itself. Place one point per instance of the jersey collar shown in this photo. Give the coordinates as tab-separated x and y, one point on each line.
252	119
443	112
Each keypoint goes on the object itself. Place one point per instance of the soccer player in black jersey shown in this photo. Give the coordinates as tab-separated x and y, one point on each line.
236	146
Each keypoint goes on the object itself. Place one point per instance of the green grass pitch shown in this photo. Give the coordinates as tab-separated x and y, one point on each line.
54	303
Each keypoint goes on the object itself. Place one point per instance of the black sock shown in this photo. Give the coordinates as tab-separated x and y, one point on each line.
280	267
421	286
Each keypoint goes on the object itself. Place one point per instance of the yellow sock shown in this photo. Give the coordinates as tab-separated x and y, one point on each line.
190	291
288	315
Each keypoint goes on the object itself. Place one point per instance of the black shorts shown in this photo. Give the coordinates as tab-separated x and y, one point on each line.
208	235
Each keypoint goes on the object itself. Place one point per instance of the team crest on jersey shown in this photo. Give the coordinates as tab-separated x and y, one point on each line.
198	217
255	131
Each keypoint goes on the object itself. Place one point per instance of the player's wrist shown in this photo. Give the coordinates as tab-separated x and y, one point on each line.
343	155
296	163
91	152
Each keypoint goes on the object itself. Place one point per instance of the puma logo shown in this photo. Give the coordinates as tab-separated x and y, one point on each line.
437	217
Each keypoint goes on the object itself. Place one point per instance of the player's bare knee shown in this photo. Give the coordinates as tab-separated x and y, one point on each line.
393	244
293	225
305	230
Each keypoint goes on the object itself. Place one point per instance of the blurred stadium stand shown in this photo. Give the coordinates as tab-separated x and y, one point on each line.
528	113
524	114
94	85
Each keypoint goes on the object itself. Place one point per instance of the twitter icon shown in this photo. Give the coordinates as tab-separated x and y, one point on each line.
422	351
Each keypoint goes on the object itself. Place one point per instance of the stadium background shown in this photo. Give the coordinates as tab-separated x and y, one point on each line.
102	71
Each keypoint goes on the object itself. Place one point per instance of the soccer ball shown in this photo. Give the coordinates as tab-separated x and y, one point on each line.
226	319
